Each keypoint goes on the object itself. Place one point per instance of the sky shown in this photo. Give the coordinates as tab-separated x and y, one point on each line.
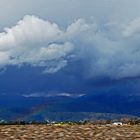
69	47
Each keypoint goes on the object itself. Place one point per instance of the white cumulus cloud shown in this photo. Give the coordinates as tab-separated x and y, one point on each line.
32	41
110	49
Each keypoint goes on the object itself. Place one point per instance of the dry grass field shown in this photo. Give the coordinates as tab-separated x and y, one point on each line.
69	132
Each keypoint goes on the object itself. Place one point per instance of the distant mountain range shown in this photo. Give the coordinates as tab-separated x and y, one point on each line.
91	106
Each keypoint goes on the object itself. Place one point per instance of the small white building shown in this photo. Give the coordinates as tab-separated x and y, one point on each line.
117	123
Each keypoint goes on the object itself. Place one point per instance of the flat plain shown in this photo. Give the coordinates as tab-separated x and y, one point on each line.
69	132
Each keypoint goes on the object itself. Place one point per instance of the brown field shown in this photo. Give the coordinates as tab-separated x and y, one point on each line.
69	132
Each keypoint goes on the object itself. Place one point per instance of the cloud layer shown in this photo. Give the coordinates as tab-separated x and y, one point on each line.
103	50
71	95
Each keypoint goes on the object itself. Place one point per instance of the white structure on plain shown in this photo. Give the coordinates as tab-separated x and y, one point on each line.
117	123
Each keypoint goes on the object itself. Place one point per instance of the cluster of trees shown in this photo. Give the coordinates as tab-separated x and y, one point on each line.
95	122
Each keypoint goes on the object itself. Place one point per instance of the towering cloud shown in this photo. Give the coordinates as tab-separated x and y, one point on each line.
107	50
32	41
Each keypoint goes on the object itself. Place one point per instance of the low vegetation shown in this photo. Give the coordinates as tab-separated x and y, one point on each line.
69	131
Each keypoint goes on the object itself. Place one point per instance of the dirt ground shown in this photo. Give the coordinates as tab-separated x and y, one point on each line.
68	132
